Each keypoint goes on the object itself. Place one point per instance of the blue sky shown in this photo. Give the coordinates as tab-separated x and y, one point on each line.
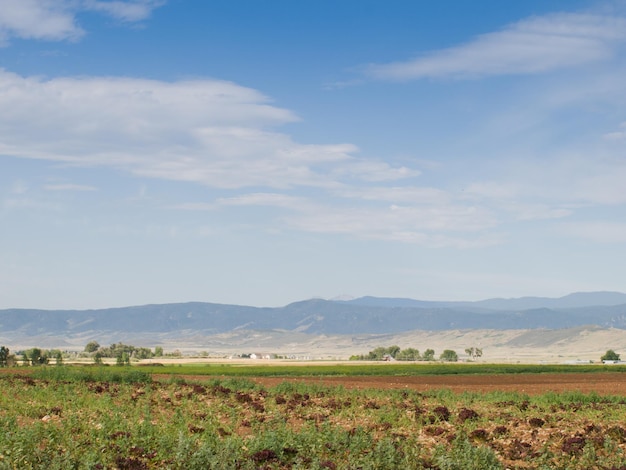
262	152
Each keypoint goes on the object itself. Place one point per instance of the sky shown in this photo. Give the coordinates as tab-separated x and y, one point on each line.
261	152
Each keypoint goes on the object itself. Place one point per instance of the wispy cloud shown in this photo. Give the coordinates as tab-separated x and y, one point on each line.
210	132
69	187
254	199
618	134
397	194
56	20
449	225
597	231
131	11
29	204
435	220
533	45
38	19
264	199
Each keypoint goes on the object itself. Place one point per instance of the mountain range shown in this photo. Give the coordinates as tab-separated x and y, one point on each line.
365	315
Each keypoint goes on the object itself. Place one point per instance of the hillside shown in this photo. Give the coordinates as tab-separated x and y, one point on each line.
335	328
316	316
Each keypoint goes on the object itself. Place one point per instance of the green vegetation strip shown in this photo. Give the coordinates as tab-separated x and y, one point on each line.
350	370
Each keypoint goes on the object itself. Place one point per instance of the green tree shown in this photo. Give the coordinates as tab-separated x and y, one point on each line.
393	350
610	355
449	355
158	351
474	352
429	355
97	358
92	347
37	357
143	353
377	354
408	354
123	359
58	356
4	356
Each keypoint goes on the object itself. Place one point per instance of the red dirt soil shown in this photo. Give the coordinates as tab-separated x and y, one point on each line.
606	383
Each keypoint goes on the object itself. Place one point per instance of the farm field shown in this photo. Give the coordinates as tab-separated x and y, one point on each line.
529	379
533	384
128	418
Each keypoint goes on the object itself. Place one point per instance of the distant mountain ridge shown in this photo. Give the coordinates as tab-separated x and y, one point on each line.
575	300
366	315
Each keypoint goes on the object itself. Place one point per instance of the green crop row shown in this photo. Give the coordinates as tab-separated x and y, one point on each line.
384	369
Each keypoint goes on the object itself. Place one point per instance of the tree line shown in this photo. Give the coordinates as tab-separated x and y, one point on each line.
411	354
122	353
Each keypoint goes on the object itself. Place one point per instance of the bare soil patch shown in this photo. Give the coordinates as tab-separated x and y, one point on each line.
605	383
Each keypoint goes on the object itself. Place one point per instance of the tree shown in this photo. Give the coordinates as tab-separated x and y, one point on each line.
58	356
92	347
377	354
123	359
408	354
610	355
36	356
449	355
4	356
158	351
142	353
429	355
474	352
393	350
97	358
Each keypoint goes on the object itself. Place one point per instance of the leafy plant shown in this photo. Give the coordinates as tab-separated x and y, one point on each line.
464	456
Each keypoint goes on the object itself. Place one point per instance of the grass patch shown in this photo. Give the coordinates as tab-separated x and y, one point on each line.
92	374
385	369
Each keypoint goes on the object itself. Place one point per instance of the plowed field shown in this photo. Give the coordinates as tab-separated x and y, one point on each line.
608	383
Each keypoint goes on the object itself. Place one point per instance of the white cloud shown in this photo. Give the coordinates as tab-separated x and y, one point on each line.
254	199
491	189
617	135
401	194
55	20
538	211
38	19
211	132
264	199
516	199
134	10
429	217
432	225
598	232
533	45
375	171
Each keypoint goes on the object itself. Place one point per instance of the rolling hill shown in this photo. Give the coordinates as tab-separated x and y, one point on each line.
313	321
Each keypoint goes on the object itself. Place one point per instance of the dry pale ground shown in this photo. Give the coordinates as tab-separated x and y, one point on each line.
523	346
